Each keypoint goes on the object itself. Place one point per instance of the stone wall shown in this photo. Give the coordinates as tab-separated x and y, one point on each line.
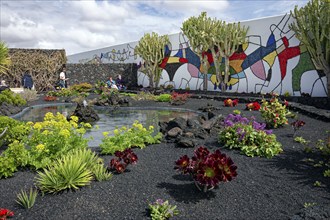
91	73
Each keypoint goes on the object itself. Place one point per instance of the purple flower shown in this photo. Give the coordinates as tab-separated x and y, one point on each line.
159	202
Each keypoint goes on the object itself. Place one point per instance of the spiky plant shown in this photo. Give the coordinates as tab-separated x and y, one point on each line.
68	172
4	58
27	200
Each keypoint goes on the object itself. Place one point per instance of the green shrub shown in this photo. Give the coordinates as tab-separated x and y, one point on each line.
54	137
8	167
82	87
274	113
136	136
16	130
249	136
324	147
163	98
7	96
161	210
18	152
29	95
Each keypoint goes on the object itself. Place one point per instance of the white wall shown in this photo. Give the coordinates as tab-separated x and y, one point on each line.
281	66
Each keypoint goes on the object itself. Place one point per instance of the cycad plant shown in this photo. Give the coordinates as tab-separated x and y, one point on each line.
4	58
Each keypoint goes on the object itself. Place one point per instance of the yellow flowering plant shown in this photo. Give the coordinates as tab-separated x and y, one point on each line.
54	137
123	138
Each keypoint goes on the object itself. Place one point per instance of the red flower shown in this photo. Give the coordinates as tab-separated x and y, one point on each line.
286	103
228	102
255	106
4	213
235	102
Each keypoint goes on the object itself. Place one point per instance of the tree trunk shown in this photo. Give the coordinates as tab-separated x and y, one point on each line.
205	71
327	73
226	72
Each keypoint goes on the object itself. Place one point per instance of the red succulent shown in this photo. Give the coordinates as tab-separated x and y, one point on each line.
183	164
207	169
124	158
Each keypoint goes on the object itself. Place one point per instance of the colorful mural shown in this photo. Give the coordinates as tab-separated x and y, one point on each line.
272	60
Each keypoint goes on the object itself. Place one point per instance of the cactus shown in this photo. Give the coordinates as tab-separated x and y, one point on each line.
198	30
215	35
229	38
312	28
151	48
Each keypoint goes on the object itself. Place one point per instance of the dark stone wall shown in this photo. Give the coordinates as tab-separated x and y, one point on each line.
91	73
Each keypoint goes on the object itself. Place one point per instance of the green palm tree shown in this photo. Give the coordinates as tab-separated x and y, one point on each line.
4	58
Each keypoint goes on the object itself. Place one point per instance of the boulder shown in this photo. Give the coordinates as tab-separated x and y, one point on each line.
85	113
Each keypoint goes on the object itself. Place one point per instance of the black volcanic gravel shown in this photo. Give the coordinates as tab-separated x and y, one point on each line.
274	188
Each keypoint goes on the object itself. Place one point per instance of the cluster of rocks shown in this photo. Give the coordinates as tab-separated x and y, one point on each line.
9	109
85	113
192	132
113	99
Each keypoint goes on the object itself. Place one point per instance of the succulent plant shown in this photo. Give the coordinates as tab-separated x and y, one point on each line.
207	169
151	48
206	34
124	158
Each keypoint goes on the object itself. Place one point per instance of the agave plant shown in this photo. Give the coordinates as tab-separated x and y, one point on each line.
207	169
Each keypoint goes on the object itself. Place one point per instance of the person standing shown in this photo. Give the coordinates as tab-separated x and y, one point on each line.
63	79
27	80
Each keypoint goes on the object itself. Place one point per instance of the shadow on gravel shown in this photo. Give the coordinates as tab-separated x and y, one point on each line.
301	166
187	193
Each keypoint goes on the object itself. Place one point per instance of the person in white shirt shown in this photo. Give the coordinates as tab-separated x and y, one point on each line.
63	79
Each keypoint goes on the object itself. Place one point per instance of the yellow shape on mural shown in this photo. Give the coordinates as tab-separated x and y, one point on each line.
173	60
236	65
270	58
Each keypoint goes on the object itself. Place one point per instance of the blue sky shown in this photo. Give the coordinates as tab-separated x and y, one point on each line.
83	25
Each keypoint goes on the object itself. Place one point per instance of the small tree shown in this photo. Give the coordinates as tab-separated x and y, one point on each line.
228	37
199	31
151	49
4	59
215	35
312	27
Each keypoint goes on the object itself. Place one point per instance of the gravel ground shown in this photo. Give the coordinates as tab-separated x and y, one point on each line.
276	188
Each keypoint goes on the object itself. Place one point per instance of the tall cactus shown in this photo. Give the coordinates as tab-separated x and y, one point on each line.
151	49
312	28
228	38
198	30
215	35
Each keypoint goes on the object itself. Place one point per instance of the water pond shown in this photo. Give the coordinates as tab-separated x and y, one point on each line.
110	118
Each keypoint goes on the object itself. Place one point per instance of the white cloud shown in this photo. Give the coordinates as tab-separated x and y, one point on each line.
84	25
